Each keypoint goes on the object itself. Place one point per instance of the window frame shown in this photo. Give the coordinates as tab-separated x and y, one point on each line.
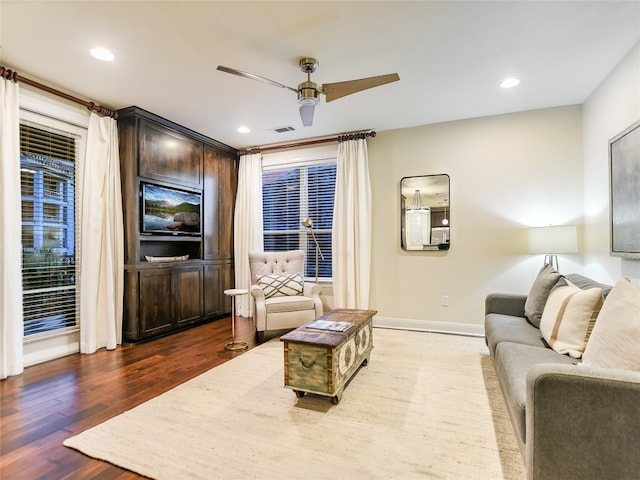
36	108
52	242
308	157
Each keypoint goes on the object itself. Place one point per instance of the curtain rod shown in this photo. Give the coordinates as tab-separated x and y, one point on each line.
12	75
306	143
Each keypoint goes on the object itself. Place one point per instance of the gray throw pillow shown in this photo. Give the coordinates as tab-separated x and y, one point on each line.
537	298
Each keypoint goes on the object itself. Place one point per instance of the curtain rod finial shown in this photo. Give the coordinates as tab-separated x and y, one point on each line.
8	74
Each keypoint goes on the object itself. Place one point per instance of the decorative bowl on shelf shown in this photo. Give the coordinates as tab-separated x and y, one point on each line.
177	258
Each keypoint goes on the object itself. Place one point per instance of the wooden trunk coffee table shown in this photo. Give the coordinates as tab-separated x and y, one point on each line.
322	356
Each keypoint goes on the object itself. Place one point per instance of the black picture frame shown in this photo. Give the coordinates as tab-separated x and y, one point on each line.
624	189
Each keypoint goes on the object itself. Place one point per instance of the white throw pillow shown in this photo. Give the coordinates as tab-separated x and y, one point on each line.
569	316
285	285
615	340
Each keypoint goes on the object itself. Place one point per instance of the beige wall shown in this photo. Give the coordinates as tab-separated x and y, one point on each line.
614	106
507	172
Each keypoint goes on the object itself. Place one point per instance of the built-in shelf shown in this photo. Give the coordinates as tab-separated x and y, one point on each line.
169	238
170	248
164	296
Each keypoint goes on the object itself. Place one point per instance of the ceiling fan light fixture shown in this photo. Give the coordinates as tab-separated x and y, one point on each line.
306	114
308	94
308	101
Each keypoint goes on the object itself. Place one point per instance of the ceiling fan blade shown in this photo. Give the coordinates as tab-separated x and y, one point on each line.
306	113
253	76
337	90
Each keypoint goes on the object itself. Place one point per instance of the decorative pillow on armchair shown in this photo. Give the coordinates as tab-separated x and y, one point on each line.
283	285
537	298
569	316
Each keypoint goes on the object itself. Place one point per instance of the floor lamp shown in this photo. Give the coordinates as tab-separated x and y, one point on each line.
308	223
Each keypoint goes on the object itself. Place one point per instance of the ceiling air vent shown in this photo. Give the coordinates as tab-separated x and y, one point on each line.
283	129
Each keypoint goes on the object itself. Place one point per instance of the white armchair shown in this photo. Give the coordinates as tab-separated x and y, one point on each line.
282	300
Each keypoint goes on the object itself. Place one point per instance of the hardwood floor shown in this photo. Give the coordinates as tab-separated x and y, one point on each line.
58	399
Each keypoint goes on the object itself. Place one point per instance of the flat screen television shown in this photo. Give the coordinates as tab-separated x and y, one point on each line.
170	211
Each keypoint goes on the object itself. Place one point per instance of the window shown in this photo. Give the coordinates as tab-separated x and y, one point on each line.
292	192
48	175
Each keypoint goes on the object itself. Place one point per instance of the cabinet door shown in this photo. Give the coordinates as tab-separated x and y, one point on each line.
168	156
228	276
226	205
220	185
130	324
155	302
188	294
217	279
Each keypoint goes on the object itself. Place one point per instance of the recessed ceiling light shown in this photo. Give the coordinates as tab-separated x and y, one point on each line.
509	83
243	129
102	54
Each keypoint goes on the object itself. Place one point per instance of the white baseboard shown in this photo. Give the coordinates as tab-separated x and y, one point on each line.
429	326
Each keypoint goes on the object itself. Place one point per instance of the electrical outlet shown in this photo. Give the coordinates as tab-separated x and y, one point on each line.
444	301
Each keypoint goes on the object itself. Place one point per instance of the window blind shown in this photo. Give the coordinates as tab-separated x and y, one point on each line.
48	162
292	193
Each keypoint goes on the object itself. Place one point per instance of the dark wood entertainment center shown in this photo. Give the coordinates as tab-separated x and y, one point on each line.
164	295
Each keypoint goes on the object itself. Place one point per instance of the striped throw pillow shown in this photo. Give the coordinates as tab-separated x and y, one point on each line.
284	285
568	317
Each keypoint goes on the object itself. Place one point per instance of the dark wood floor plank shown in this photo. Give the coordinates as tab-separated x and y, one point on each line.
61	398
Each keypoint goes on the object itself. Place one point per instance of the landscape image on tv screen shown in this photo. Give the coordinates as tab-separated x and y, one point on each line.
170	211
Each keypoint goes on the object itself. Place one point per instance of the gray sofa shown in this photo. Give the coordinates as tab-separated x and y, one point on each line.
571	421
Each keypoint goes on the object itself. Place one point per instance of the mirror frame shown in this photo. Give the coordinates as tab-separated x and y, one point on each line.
423	199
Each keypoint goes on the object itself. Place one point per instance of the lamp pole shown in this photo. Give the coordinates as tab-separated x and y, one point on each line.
308	223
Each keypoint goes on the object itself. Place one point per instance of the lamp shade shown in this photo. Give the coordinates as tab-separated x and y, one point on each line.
553	239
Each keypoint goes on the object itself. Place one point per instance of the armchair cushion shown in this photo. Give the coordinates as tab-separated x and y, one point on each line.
289	304
284	285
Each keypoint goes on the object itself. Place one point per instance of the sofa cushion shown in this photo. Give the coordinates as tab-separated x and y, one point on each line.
537	298
507	328
282	285
512	362
616	334
568	317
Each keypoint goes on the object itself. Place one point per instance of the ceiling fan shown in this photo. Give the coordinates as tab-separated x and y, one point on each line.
309	92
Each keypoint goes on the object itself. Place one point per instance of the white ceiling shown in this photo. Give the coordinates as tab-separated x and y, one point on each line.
450	56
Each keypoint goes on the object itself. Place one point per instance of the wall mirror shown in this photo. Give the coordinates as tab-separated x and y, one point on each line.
425	212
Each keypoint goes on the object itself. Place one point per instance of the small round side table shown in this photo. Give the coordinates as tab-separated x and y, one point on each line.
233	344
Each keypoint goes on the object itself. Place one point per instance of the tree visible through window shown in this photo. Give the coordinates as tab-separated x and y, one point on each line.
47	167
291	194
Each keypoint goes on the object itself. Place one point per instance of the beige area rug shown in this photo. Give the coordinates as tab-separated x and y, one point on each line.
426	406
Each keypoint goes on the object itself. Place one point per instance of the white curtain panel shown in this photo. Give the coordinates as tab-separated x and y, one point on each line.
11	319
247	224
351	238
102	242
